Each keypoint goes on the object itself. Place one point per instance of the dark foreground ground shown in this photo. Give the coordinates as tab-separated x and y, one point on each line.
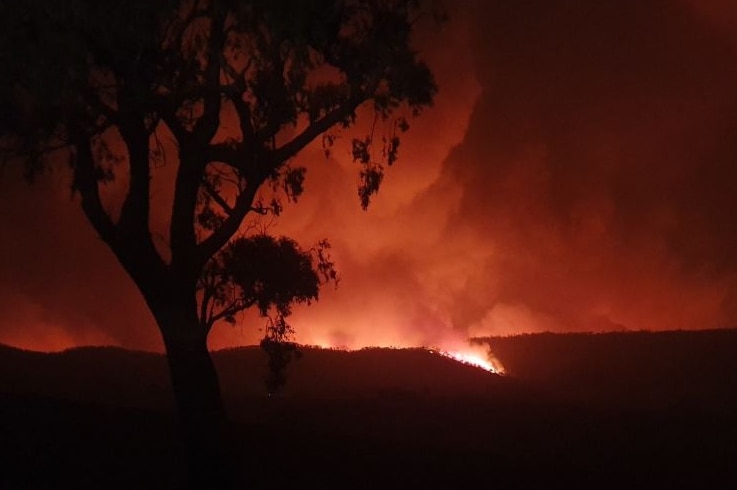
633	410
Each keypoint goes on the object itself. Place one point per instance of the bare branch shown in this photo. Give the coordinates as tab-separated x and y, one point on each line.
167	110
230	310
207	295
218	238
193	162
315	129
208	124
215	195
85	182
224	176
235	95
188	180
134	214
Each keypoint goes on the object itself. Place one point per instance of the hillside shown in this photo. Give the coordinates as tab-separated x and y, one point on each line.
696	369
576	411
127	378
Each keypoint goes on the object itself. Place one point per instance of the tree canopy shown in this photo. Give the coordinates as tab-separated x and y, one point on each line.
226	93
239	87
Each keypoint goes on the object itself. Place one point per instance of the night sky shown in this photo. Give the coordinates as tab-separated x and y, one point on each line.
578	172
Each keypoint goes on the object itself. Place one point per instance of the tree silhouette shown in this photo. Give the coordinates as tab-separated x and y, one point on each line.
237	88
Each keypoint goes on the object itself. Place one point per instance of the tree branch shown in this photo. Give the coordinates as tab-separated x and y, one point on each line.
85	182
208	124
134	214
192	160
187	183
215	195
137	254
231	309
237	88
167	110
244	202
315	129
218	238
205	302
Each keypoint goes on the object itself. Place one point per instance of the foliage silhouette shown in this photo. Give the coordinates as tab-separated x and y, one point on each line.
110	87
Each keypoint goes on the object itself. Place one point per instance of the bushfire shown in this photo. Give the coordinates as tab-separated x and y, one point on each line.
485	361
476	356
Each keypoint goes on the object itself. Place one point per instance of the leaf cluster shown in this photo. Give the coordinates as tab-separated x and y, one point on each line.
267	272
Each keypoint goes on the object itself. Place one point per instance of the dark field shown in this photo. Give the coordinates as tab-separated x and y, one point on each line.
634	410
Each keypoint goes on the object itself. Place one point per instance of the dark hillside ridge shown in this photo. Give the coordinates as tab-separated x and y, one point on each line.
696	369
128	378
108	375
95	418
366	373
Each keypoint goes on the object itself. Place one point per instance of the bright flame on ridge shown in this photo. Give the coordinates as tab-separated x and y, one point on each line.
487	363
475	356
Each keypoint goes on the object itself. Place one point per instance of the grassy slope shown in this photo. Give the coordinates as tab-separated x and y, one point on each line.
577	411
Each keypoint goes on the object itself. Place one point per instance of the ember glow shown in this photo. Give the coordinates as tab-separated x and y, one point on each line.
487	363
476	356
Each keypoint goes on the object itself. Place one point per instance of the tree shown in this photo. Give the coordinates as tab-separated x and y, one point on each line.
99	84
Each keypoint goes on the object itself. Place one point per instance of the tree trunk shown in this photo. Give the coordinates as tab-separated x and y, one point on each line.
202	418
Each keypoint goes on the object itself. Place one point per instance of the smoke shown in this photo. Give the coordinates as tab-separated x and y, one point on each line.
578	172
59	284
600	163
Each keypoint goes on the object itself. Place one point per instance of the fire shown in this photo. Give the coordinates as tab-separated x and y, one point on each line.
488	363
475	356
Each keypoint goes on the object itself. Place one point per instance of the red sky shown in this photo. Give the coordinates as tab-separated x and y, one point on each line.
578	172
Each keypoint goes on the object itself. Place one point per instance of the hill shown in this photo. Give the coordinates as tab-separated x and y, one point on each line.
696	369
576	411
138	379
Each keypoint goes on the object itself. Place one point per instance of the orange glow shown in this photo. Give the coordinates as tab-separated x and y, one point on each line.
476	356
530	198
486	362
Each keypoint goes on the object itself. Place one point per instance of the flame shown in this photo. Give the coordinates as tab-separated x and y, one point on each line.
475	356
487	363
